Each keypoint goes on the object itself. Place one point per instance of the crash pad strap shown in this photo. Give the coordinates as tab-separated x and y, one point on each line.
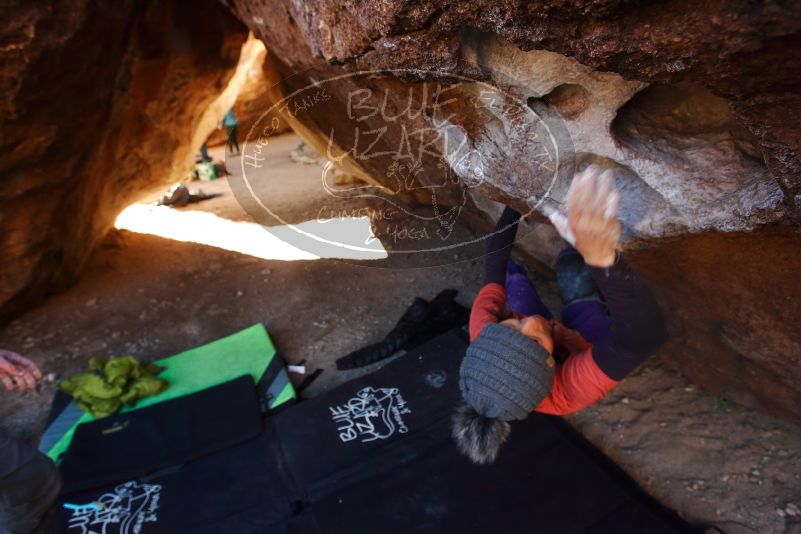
274	386
62	423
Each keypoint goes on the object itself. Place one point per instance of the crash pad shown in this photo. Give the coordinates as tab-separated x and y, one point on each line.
247	352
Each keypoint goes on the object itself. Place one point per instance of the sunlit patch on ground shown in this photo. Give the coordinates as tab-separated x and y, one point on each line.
341	238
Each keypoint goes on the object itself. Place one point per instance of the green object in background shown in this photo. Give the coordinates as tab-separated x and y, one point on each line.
249	352
110	384
206	171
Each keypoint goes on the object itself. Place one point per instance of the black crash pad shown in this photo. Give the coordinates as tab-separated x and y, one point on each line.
136	443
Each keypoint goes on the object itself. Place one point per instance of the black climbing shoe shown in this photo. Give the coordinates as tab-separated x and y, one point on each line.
445	314
420	322
573	278
407	326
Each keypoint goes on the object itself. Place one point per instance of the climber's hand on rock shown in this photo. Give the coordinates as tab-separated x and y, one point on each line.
17	372
592	204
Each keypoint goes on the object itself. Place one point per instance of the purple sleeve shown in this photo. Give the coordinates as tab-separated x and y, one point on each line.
500	246
638	328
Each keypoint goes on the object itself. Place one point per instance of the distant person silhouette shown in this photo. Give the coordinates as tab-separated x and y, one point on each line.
230	123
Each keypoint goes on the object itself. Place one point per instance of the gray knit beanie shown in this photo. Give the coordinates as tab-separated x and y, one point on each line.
505	374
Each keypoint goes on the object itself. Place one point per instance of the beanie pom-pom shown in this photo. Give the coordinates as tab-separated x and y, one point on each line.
478	437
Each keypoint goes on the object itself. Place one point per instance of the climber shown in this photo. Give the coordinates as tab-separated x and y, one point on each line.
230	123
520	359
29	481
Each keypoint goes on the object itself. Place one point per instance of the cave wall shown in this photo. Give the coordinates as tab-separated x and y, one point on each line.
732	300
99	102
695	105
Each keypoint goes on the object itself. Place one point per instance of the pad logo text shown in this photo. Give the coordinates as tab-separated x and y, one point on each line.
374	413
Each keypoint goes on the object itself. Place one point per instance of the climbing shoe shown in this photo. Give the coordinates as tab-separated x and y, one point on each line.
573	278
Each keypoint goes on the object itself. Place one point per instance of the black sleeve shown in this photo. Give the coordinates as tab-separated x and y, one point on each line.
499	247
14	453
638	328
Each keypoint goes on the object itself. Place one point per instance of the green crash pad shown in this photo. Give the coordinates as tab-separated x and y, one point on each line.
247	352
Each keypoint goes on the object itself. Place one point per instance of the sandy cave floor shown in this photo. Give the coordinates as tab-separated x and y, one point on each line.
150	296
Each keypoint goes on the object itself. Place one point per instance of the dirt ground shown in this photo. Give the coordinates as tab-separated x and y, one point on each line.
150	296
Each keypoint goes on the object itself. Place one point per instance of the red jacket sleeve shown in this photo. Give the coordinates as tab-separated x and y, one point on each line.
489	307
578	382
